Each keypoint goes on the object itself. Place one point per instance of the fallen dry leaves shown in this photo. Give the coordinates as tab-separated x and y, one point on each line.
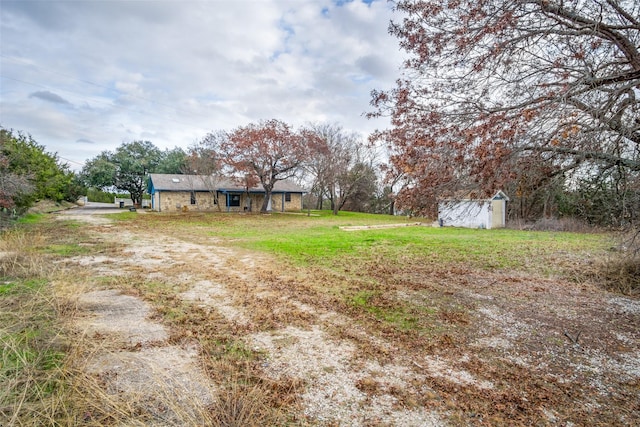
481	348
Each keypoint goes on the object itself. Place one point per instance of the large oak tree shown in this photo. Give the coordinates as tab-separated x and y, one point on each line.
514	92
265	153
126	168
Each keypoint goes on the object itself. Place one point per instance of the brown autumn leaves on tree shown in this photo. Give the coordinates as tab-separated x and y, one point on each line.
512	93
265	153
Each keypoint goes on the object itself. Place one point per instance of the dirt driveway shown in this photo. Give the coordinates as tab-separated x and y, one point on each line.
526	344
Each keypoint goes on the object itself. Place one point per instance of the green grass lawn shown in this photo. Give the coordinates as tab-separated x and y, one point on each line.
317	240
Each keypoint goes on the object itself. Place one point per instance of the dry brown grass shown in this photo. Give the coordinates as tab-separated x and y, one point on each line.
252	402
618	270
44	378
18	254
572	225
32	340
618	273
244	397
406	311
106	398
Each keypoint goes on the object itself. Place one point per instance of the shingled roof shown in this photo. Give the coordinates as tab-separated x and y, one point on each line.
175	182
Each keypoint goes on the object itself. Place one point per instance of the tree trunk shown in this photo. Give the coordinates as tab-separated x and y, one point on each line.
136	198
216	200
334	204
265	202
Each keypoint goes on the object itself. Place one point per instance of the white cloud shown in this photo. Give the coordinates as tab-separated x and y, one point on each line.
170	71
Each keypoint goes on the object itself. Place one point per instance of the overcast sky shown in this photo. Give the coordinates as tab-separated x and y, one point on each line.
84	76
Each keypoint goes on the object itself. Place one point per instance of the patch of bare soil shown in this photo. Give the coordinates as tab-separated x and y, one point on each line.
496	349
336	390
136	365
47	206
125	317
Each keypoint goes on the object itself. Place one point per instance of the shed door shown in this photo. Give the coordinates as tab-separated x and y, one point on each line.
498	214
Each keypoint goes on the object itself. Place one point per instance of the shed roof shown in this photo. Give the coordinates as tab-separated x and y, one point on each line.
473	195
177	182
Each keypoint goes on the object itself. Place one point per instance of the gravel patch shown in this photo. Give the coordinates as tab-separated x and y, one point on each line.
443	369
624	305
164	382
510	328
214	295
332	396
110	312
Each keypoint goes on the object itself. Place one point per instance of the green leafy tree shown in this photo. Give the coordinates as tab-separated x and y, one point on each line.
134	160
99	172
125	169
172	161
30	173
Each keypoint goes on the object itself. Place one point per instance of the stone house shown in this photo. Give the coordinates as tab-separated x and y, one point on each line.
173	193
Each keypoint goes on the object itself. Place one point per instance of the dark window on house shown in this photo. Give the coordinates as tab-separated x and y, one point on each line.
233	200
287	197
193	197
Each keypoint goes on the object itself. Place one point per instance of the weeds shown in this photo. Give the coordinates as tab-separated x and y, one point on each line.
20	257
616	270
239	405
35	386
624	276
33	348
406	287
618	273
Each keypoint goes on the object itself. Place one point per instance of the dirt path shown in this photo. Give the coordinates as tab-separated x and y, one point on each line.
140	370
531	333
132	356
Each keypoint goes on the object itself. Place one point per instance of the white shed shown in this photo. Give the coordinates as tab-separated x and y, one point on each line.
474	213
